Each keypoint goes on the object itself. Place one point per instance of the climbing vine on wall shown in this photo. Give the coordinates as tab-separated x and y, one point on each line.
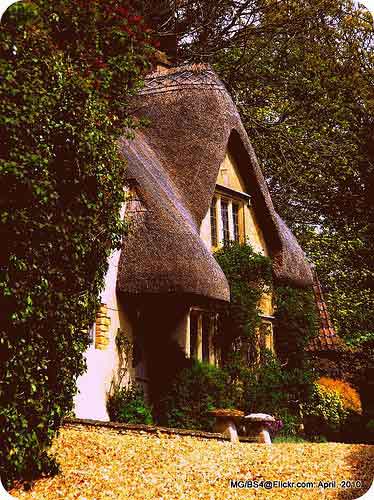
276	384
249	275
67	72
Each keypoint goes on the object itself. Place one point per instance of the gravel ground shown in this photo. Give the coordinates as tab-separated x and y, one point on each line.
103	464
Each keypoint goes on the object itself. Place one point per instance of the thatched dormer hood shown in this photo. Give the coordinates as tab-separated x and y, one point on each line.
175	162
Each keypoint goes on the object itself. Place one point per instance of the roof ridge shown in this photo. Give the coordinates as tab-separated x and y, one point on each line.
183	76
192	68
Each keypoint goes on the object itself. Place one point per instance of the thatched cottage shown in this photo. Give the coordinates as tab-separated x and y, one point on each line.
194	183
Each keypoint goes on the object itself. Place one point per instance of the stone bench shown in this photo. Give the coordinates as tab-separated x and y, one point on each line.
227	421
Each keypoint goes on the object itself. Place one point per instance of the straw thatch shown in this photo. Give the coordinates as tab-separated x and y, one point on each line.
175	162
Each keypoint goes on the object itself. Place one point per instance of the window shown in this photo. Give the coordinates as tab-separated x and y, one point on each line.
235	220
225	221
213	222
206	326
194	320
202	329
265	338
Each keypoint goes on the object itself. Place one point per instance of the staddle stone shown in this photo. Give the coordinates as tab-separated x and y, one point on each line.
259	417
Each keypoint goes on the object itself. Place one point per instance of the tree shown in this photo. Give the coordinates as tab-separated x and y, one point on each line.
68	70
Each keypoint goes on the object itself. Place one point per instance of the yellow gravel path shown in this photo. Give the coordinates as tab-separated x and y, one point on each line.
103	464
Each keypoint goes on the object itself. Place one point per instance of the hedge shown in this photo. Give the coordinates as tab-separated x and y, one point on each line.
68	69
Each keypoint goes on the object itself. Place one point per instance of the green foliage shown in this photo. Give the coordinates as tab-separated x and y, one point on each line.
326	412
289	439
249	276
318	438
311	123
67	71
196	391
335	410
270	388
127	404
296	323
125	349
265	388
348	289
370	430
370	426
354	365
266	384
292	422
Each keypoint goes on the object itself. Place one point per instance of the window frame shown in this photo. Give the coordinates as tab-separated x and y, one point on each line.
204	336
225	221
227	210
213	222
236	220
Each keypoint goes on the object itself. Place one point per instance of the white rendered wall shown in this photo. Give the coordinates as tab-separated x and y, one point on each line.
102	365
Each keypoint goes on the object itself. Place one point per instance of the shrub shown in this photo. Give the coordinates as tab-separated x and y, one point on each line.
64	93
127	404
328	410
275	427
350	397
370	427
368	432
289	439
261	383
291	422
195	392
335	410
272	389
319	438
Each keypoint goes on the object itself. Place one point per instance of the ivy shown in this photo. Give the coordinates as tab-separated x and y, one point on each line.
67	72
266	383
249	276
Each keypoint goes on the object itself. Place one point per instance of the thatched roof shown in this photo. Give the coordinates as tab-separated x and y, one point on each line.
175	162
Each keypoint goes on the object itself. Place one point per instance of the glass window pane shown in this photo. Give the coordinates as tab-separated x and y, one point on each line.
235	216
213	222
225	221
205	335
193	334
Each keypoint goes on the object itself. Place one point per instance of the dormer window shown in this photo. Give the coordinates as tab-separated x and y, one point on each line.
235	221
227	217
225	221
213	222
